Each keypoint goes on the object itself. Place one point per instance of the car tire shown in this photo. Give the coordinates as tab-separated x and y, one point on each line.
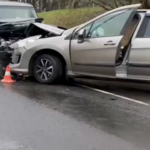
47	69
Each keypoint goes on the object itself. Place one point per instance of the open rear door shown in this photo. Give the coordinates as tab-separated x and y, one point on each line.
139	57
96	55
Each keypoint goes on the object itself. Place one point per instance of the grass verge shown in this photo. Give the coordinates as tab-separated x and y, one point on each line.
69	18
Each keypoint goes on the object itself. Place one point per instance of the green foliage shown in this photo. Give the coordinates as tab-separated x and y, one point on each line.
70	17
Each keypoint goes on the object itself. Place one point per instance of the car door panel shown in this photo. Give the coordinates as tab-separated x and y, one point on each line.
139	59
99	61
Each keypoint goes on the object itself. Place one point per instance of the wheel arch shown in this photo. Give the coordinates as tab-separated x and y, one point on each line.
46	51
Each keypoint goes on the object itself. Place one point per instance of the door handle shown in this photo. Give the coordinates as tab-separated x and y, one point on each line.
110	43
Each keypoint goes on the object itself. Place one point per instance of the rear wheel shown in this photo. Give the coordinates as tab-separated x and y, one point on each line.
47	69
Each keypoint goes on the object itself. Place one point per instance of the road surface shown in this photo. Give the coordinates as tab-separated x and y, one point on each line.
59	117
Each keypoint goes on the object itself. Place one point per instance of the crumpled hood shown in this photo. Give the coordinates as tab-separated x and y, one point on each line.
4	22
17	27
49	28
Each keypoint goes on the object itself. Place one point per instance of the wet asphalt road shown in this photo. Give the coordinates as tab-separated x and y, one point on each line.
43	117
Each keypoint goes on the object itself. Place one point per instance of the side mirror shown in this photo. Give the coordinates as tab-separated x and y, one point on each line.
39	20
81	35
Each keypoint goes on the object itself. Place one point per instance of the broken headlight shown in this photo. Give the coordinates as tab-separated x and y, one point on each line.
23	42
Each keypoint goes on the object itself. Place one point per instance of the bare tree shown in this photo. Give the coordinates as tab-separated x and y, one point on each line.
47	5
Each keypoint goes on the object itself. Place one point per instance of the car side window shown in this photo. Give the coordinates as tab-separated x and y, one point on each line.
147	31
110	25
87	28
144	31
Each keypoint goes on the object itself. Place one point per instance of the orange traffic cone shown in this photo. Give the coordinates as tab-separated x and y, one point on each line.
7	77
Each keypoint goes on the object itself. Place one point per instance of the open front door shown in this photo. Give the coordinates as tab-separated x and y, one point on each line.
94	53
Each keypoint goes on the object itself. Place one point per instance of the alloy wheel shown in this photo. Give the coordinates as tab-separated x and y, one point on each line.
44	69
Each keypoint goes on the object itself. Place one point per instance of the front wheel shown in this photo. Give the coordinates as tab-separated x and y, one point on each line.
47	69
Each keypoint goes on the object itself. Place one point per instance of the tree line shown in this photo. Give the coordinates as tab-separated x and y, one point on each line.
48	5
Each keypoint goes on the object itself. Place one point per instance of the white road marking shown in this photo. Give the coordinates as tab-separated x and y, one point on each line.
116	95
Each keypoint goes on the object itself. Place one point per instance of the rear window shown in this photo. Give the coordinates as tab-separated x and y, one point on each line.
15	12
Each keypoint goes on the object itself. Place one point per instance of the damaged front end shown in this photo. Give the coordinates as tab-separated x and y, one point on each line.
11	31
18	34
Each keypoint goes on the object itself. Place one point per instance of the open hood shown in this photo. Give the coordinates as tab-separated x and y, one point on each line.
16	27
50	28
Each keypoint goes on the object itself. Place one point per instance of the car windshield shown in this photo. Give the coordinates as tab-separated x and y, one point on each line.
15	12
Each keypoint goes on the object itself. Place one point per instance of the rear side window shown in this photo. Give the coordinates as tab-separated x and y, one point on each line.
147	31
144	31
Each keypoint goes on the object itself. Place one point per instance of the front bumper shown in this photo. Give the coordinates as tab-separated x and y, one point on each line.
15	68
19	62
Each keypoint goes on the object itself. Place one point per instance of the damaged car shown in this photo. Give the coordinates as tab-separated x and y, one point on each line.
114	45
15	17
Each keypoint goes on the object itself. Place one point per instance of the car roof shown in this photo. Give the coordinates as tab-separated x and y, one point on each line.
8	3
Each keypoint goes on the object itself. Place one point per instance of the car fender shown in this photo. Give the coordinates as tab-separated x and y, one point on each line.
57	44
